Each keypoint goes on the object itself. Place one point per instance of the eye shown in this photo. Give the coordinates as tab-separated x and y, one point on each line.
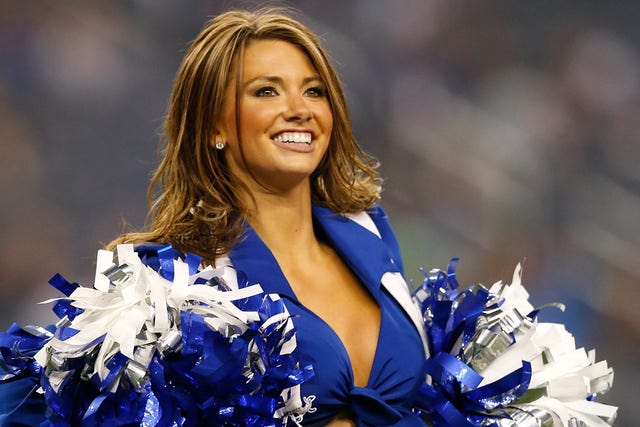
315	92
266	91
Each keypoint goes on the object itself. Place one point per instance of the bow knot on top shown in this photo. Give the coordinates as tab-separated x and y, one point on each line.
370	409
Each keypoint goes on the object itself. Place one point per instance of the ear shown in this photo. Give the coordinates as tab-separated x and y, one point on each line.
218	141
217	138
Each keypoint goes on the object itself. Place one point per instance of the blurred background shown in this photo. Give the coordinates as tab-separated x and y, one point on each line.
508	131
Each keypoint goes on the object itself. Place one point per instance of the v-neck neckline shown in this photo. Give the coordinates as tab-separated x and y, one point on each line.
252	256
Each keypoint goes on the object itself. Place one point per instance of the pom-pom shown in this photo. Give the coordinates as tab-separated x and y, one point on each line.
158	341
494	364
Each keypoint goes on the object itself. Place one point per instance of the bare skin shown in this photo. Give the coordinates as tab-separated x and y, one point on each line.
341	421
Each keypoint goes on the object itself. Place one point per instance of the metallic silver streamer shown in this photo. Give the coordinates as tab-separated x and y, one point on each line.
485	347
118	274
574	422
170	342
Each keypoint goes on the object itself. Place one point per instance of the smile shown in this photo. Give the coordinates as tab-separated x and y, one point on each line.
294	137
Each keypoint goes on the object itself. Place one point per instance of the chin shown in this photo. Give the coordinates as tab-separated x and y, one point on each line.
285	179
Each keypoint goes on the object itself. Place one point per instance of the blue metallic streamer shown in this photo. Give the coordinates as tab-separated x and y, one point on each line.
61	284
502	392
444	365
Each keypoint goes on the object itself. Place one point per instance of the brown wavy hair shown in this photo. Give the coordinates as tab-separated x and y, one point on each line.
198	208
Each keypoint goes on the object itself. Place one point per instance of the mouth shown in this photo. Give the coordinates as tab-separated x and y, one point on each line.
293	137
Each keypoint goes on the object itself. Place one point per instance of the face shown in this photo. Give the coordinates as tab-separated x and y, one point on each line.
285	118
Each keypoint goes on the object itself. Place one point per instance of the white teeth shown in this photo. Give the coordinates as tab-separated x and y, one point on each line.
294	137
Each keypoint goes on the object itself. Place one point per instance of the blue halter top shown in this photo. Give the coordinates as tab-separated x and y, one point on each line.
398	365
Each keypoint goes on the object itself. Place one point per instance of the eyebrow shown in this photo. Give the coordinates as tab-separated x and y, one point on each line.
279	80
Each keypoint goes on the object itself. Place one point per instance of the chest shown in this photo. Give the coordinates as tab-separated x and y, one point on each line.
333	293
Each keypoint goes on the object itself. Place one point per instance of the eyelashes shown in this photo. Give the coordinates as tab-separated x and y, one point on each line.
270	91
316	92
265	91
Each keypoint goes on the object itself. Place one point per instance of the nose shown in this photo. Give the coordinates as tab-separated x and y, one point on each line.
297	109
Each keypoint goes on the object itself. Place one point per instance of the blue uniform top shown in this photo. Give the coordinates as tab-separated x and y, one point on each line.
398	365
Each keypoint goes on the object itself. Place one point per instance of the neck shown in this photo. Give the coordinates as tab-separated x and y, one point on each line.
284	222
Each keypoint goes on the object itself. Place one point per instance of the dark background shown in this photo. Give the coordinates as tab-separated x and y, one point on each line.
507	131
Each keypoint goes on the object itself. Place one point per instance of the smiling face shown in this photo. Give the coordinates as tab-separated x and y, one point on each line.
284	115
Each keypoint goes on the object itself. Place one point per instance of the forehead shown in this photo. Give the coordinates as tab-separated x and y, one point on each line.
275	58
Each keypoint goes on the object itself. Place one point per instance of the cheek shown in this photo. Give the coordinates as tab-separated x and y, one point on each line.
255	119
327	124
254	123
324	115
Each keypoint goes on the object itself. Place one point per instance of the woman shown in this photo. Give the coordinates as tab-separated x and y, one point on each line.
261	165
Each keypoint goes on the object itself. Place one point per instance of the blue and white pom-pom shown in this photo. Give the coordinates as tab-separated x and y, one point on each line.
494	364
159	342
